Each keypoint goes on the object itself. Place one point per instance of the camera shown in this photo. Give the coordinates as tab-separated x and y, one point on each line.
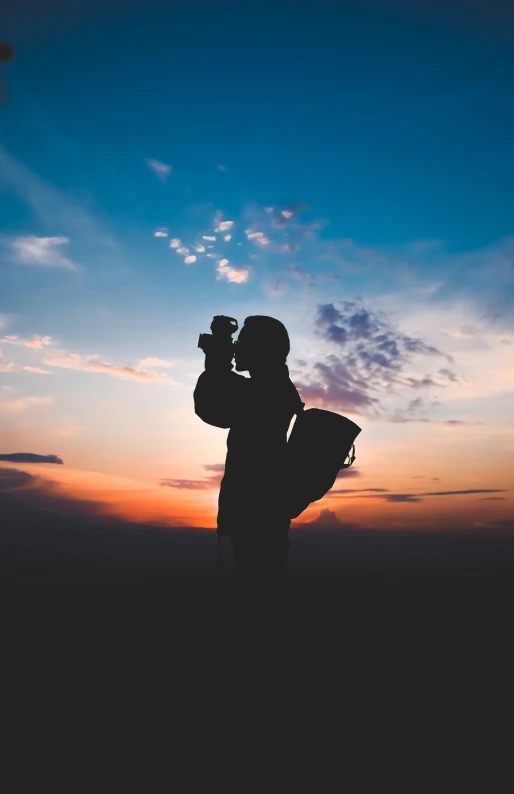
220	341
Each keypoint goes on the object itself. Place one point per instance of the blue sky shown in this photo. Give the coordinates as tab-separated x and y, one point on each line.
370	146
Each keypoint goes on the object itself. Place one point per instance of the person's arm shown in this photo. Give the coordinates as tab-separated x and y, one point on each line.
219	394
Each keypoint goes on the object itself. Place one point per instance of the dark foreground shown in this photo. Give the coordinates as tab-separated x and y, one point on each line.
65	564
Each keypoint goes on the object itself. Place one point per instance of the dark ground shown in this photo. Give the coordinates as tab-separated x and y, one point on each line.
50	561
91	606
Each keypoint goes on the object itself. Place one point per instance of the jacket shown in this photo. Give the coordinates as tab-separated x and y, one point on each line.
258	412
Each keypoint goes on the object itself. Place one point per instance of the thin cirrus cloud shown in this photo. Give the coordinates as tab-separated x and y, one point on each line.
23	404
206	483
410	497
36	342
30	457
42	252
154	362
66	360
161	170
192	485
54	209
37	370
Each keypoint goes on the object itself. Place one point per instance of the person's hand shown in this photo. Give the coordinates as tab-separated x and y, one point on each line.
220	357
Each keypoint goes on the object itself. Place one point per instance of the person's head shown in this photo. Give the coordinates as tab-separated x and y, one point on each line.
262	344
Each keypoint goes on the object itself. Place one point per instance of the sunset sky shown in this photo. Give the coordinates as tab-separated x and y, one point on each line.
347	168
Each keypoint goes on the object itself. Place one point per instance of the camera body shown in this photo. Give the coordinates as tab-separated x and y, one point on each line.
220	340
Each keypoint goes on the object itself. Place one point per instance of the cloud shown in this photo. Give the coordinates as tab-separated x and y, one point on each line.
37	370
374	359
10	479
204	484
65	360
297	271
224	226
416	497
401	418
400	497
23	404
349	473
161	170
190	259
277	287
333	385
358	490
222	167
175	242
30	457
328	519
154	362
124	372
160	233
7	367
492	499
36	343
42	251
236	275
463	493
56	210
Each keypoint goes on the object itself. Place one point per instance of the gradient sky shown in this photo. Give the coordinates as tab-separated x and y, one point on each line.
353	164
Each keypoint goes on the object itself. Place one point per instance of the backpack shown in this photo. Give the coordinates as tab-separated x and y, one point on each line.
317	449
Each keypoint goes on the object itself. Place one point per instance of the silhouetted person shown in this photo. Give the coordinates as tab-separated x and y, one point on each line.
258	410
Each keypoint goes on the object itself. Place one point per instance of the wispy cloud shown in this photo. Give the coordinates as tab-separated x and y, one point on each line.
161	170
30	457
203	484
22	404
58	211
192	485
383	493
277	287
152	362
66	360
37	370
94	365
36	342
42	252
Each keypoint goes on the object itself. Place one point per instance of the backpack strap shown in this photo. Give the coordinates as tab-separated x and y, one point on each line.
350	455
